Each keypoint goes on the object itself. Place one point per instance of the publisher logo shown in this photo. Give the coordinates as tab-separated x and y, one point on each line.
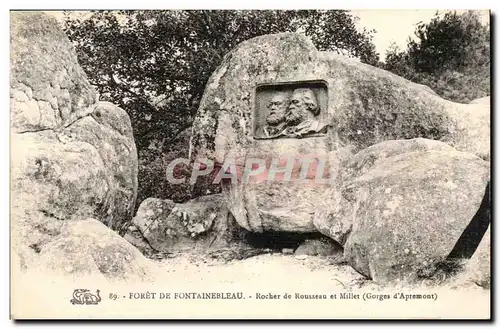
85	297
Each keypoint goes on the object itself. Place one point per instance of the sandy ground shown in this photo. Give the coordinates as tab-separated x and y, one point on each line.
268	271
272	286
280	271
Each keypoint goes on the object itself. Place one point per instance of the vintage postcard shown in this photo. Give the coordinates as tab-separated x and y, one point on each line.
250	164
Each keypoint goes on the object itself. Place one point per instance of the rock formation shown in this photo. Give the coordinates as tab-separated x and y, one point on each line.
72	156
391	205
403	170
365	106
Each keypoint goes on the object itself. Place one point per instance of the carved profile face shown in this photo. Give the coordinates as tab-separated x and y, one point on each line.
278	106
303	106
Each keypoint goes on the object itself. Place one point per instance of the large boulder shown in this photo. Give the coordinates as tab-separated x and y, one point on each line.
200	224
72	156
49	89
87	247
360	105
405	207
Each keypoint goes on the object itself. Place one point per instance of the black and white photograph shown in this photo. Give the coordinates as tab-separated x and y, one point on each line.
190	164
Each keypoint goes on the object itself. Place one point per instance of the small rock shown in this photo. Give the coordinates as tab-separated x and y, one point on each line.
287	251
198	224
301	257
319	247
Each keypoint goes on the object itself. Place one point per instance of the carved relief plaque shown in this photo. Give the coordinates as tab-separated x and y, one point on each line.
291	110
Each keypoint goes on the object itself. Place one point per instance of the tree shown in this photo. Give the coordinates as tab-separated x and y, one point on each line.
155	64
451	54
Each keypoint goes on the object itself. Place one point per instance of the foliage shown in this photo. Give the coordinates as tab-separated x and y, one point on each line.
451	55
155	64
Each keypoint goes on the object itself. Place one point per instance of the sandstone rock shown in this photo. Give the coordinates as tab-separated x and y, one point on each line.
109	130
87	169
199	224
150	211
336	214
365	106
319	247
49	90
77	159
135	238
364	160
408	210
472	129
87	247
